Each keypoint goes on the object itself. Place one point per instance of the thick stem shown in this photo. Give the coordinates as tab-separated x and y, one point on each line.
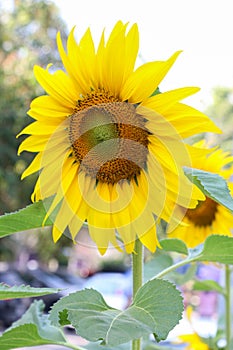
228	305
137	267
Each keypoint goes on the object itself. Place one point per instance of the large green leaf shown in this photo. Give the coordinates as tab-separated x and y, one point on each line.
7	292
33	329
216	248
24	219
157	308
212	185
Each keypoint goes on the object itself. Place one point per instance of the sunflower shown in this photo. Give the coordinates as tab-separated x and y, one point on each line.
194	342
109	146
208	217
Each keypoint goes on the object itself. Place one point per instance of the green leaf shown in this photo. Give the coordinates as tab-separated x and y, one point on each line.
212	185
182	278
33	329
157	308
216	248
22	336
24	219
174	245
208	285
7	292
84	303
158	263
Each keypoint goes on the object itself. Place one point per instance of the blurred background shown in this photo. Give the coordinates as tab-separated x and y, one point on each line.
27	37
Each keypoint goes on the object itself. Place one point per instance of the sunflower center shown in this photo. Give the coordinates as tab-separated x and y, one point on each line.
109	140
204	213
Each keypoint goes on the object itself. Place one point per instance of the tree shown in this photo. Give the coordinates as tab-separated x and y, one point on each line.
27	37
222	112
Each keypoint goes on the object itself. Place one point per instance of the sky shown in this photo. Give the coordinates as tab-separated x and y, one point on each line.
202	29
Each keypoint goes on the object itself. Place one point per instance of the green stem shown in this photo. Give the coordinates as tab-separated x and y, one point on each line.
228	305
137	261
174	267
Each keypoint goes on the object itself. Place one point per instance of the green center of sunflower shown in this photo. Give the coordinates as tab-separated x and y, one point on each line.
109	141
204	213
97	126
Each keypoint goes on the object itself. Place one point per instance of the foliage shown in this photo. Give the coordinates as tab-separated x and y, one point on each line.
222	111
95	320
216	248
35	324
212	185
14	292
27	36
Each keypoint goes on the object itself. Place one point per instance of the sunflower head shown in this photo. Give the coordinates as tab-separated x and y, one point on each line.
193	341
208	217
110	141
109	151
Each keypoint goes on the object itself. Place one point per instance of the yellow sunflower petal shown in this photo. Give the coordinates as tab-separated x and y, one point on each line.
119	57
144	81
123	225
114	60
33	167
197	121
68	61
34	143
87	51
68	208
58	85
128	236
149	239
75	225
65	177
56	233
100	237
195	342
131	50
163	101
119	26
40	128
48	182
76	58
47	107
